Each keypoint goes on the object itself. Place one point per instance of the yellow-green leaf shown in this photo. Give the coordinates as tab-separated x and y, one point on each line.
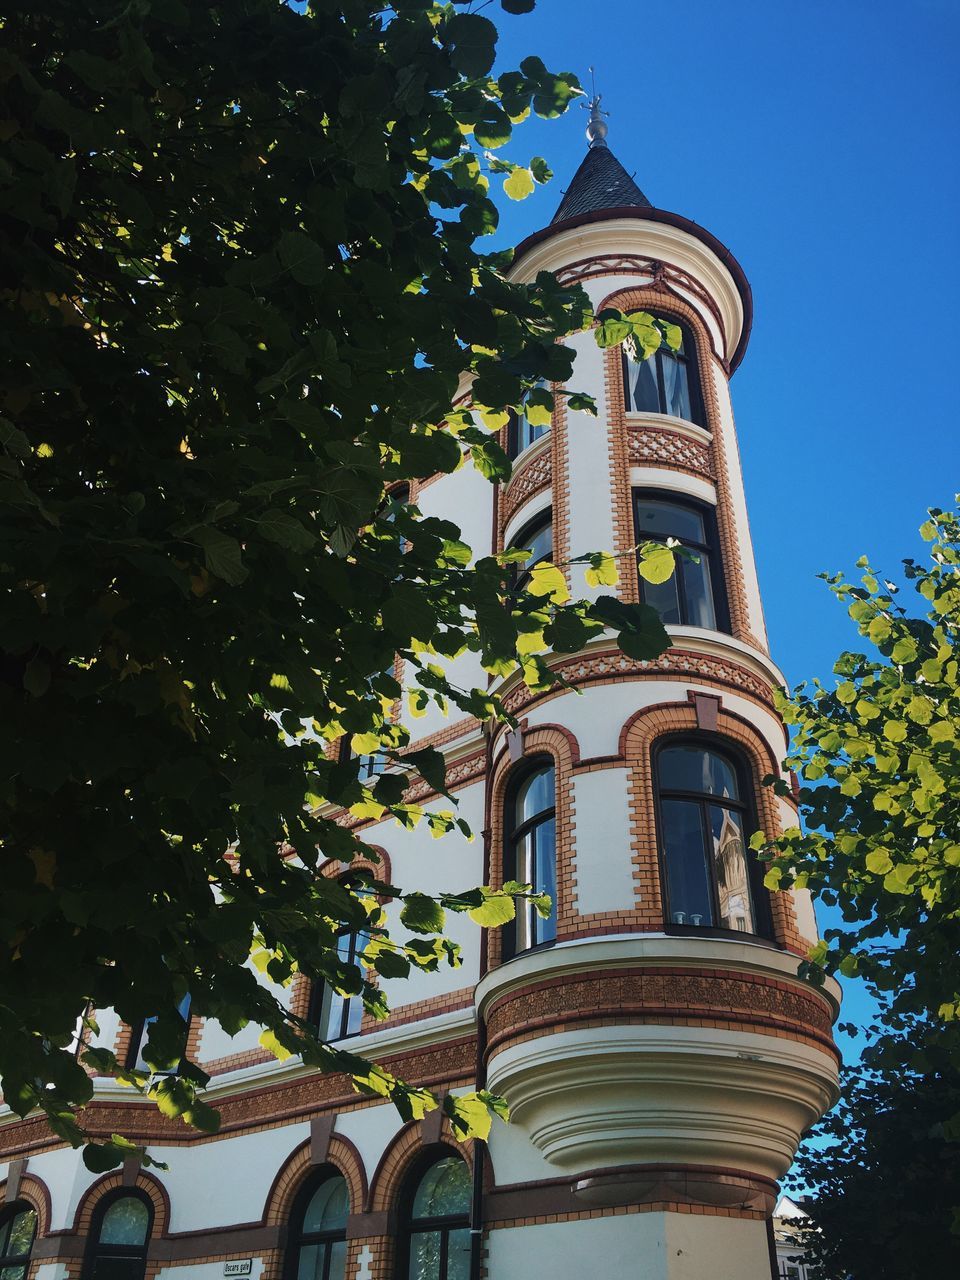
656	563
519	185
602	570
547	580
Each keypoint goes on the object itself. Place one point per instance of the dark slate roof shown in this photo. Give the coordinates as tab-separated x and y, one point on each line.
601	182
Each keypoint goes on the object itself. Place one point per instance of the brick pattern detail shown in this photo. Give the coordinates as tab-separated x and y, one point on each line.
621	497
532	477
655	446
559	447
612	666
663	275
675	996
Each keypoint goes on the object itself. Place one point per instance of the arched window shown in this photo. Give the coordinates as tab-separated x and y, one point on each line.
117	1248
436	1215
18	1227
663	383
318	1229
521	432
710	878
693	595
531	854
537	538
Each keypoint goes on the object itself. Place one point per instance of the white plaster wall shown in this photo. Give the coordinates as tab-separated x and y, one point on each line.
674	481
205	1271
603	871
371	1130
588	452
66	1178
628	1247
465	498
698	1247
217	1184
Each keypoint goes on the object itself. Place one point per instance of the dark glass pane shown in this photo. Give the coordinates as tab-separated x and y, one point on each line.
425	1255
731	869
698	610
536	794
665	598
458	1254
675	386
656	519
528	434
444	1190
16	1272
538	541
310	1262
643	395
693	768
545	878
688	884
371	766
119	1268
338	1260
329	1026
328	1207
16	1234
125	1222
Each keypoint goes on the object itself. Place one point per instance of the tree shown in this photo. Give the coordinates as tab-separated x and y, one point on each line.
879	761
240	291
884	1172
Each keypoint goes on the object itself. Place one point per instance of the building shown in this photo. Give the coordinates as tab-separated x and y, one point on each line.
789	1220
659	1054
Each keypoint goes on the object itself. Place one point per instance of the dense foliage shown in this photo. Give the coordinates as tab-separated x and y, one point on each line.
879	761
884	1174
240	293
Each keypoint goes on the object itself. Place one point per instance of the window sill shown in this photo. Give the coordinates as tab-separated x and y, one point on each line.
527	455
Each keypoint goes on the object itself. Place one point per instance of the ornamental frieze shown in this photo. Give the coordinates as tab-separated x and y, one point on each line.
649	445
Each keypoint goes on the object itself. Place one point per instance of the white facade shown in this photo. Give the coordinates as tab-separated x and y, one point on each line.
661	1061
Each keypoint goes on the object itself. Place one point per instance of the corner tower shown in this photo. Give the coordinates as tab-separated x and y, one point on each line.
653	1040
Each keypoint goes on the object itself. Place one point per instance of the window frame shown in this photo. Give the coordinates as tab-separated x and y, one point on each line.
513	833
746	806
8	1213
96	1250
410	1226
690	360
514	450
318	986
536	524
711	548
297	1238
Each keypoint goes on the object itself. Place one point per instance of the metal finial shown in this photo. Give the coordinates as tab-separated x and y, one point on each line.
596	126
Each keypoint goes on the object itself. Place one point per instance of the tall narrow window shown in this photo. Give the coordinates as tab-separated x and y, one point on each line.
437	1228
537	538
710	879
531	855
318	1229
141	1032
691	596
117	1249
335	1014
18	1228
521	433
663	383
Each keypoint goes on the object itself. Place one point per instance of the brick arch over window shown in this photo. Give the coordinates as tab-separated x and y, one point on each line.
664	301
637	739
341	1154
559	743
144	1182
34	1192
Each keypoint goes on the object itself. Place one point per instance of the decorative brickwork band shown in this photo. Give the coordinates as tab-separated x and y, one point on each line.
532	476
654	446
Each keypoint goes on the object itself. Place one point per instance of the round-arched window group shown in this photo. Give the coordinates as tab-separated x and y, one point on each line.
434	1238
710	878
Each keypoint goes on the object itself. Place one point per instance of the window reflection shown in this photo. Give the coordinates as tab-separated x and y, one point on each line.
439	1225
532	856
318	1248
661	383
18	1228
687	597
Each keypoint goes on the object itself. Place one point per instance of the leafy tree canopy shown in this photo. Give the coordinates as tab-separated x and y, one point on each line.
884	1174
240	293
879	759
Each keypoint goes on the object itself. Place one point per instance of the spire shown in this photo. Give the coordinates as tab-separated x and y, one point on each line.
601	182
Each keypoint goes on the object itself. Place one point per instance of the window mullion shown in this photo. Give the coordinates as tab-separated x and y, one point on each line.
711	861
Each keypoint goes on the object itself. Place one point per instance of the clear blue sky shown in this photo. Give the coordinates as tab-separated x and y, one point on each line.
819	142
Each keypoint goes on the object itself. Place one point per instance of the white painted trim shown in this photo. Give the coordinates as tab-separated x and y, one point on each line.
534	506
660	421
675	481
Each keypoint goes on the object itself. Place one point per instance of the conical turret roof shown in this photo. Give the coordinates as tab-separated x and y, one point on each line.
601	182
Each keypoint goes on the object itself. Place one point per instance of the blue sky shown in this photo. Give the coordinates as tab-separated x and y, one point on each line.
818	141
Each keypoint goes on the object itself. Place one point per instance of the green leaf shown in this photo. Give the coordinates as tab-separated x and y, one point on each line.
302	257
602	570
547	580
656	562
519	185
472	40
422	914
611	329
221	554
495	910
284	529
541	171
